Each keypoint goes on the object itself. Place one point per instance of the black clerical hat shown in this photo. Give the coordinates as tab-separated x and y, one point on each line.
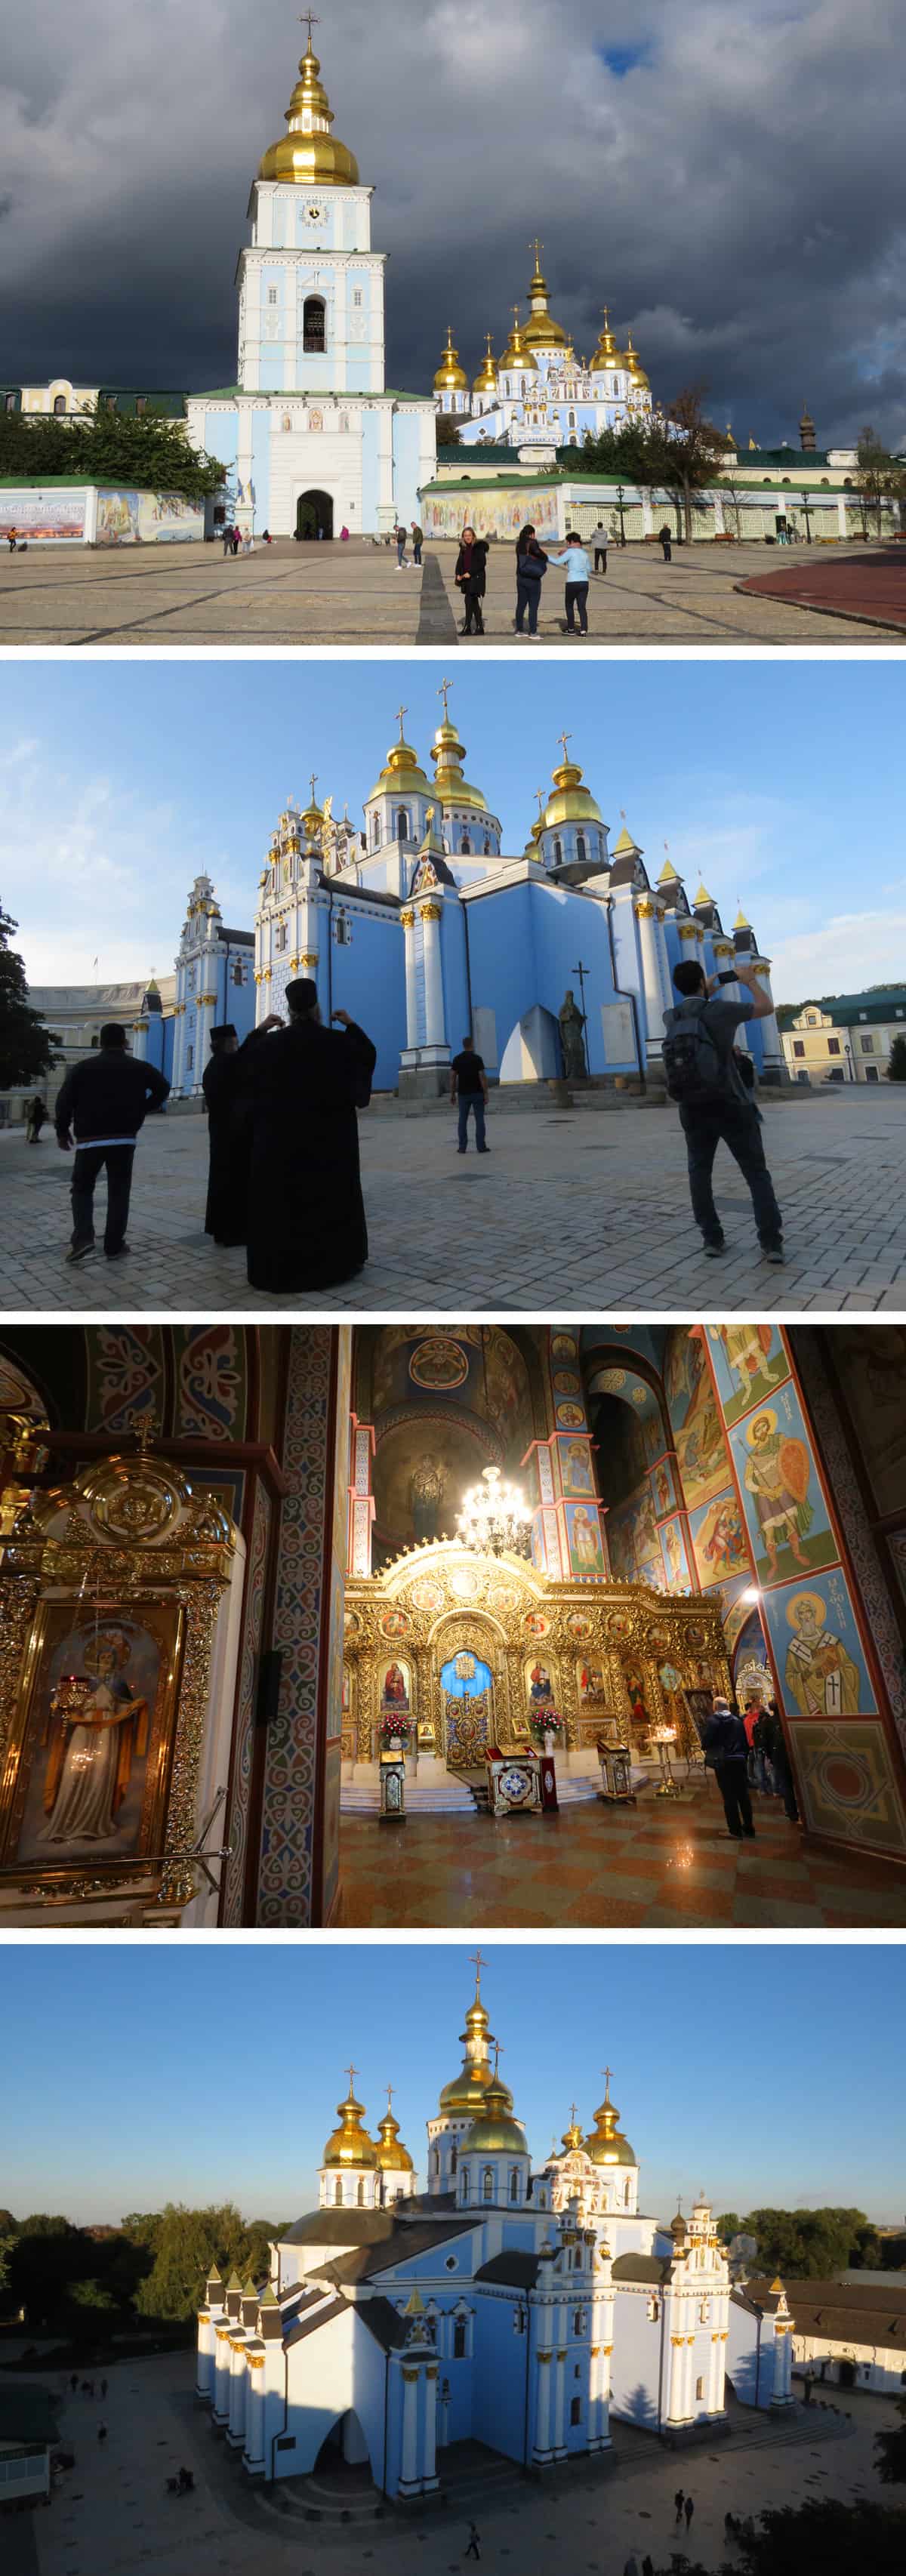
303	994
225	1029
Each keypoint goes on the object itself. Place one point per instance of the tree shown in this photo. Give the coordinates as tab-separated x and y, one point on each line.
891	2449
807	2244
896	1069
139	449
878	478
834	2538
188	2244
27	1048
694	451
446	430
729	2225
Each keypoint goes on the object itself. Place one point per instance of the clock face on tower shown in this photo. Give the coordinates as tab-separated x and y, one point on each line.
314	214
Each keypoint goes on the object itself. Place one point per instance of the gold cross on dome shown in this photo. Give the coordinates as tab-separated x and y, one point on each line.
307	19
391	2089
564	738
622	813
573	2115
605	308
542	799
537	246
350	2071
400	713
498	2053
476	1959
607	2072
443	692
313	781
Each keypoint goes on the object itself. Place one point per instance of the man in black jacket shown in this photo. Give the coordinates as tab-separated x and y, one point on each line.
725	1747
102	1103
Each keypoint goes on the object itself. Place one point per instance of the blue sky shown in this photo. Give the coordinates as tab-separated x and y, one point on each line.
200	2072
780	783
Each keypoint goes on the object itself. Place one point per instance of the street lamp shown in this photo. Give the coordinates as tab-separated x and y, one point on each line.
620	497
808	524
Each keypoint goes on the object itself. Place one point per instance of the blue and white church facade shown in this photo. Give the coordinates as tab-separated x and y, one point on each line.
312	438
214	983
538	391
519	2304
424	924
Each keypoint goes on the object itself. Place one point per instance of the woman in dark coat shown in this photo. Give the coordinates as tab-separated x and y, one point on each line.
471	578
306	1215
224	1082
531	566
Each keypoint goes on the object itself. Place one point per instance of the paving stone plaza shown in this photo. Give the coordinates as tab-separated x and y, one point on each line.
582	1211
353	595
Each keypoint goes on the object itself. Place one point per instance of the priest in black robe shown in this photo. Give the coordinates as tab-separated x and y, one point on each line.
306	1215
225	1086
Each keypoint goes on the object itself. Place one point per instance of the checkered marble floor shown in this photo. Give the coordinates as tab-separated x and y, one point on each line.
663	1864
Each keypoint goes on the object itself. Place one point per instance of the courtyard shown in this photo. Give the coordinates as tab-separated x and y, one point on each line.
586	1212
341	595
112	2510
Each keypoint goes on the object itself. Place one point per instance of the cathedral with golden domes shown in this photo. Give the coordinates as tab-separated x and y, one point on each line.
516	2302
538	392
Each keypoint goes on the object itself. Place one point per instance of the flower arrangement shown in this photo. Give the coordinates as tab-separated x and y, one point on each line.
545	1721
393	1730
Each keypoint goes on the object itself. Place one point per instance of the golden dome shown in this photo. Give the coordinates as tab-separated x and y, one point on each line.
606	354
401	775
541	331
516	355
606	2144
447	753
494	2128
451	378
350	2143
572	2137
571	802
309	154
486	379
469	2088
633	365
391	2155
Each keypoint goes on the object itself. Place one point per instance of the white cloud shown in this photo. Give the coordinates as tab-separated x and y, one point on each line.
845	954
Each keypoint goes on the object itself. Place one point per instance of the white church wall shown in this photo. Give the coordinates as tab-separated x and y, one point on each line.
749	2356
499	2377
532	1051
337	2367
638	2354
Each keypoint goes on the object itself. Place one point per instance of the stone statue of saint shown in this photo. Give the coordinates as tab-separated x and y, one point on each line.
427	1493
572	1024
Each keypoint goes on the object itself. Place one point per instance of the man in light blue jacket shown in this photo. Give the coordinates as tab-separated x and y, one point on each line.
578	576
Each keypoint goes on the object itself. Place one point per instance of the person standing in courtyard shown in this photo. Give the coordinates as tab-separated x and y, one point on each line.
726	1754
666	543
228	538
578	576
469	1086
689	2510
679	2501
599	542
306	1216
418	538
713	1103
223	1082
471	578
35	1118
103	1103
400	535
531	566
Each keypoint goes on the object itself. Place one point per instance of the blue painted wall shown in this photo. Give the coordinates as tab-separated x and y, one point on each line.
525	943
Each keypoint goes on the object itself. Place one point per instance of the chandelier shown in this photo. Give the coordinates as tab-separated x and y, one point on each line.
494	1519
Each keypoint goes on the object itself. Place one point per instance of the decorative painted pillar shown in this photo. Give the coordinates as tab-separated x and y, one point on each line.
361	1499
649	918
559	2409
430	915
407	917
140	1040
409	2478
541	2449
429	2439
783	2362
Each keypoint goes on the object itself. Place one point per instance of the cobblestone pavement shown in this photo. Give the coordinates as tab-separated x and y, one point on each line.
111	2515
353	594
581	1211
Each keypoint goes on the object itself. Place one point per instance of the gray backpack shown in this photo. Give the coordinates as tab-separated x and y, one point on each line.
697	1074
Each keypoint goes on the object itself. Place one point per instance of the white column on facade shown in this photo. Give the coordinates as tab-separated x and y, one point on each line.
244	509
140	1040
207	1004
429	2445
543	2368
409	2456
407	917
656	1000
689	936
430	915
716	2380
204	2369
559	2445
675	2385
236	2426
222	2373
773	1051
386	510
783	2363
179	1036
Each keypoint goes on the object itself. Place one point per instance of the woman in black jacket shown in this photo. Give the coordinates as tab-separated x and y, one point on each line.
471	579
531	566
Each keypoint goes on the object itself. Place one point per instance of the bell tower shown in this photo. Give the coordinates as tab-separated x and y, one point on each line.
311	289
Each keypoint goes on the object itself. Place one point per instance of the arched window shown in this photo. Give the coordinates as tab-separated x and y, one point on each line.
435	2160
572	420
487	2183
514	2182
361	2193
464	2183
314	338
459	2339
627	2195
59	404
9	402
466	846
558	854
453	2160
402	824
338	2193
580	848
487	845
375	831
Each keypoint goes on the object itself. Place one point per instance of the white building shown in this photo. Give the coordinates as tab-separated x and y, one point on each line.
517	2304
851	2333
538	390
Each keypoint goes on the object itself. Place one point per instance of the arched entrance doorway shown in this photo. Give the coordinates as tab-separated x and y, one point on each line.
314	515
847	2374
344	2444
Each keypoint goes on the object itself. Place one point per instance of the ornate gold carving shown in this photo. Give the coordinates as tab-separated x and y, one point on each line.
407	916
430	911
645	911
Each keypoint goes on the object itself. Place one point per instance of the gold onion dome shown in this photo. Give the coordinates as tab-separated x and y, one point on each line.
541	331
606	2144
572	2137
633	364
571	802
606	354
447	753
516	354
309	153
391	2155
451	378
494	2127
401	774
486	379
350	2143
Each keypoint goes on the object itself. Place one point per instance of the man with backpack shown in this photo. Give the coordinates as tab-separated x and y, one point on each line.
715	1106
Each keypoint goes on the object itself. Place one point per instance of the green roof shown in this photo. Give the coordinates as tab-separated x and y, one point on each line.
847	1009
294	393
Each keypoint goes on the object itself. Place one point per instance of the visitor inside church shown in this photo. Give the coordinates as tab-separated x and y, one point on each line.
596	1624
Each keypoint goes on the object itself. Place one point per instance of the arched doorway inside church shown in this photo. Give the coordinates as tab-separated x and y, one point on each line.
344	2446
314	515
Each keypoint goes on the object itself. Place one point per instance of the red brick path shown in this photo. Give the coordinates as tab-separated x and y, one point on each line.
872	586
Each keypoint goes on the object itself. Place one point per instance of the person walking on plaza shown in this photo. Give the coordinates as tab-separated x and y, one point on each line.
726	1754
713	1103
473	2550
599	542
400	535
666	543
226	1214
306	1225
578	576
469	1083
679	2501
36	1116
531	566
418	538
688	2510
102	1103
237	540
471	578
227	539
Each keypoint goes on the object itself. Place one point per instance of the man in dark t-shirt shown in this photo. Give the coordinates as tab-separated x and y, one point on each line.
731	1117
469	1084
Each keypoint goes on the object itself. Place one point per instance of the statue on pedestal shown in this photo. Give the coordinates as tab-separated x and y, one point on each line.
572	1025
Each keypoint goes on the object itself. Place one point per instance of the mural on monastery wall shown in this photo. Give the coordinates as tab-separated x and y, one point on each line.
697	1428
576	1465
719	1540
664	1494
750	1362
127	1378
678	1574
817	1651
846	1783
785	1510
584	1536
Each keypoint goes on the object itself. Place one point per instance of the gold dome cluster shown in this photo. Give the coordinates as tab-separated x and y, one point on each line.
401	774
308	154
571	802
451	378
350	2144
605	2143
494	2130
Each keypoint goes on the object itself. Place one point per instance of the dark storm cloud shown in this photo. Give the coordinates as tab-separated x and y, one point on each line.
728	174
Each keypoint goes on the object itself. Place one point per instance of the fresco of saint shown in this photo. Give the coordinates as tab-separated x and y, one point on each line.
90	1752
820	1677
777	1477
